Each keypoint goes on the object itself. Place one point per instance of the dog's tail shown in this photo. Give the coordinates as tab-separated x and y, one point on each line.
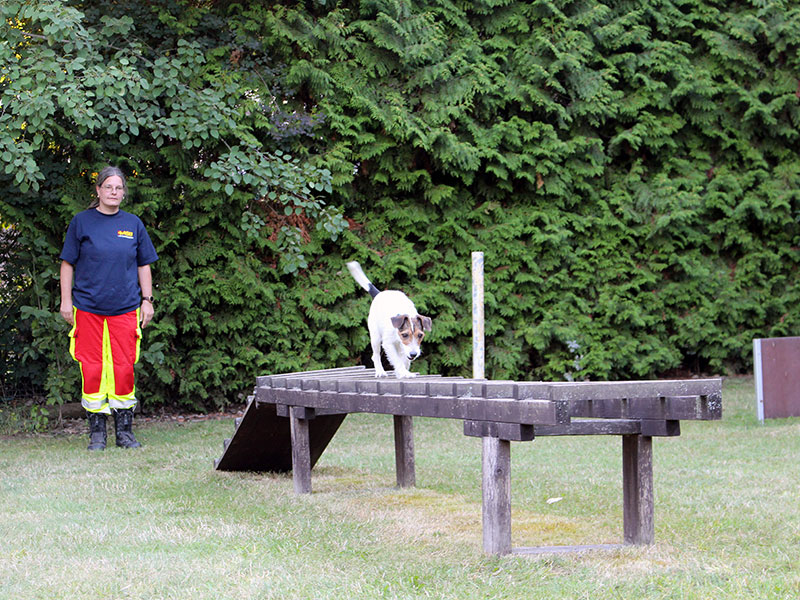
361	279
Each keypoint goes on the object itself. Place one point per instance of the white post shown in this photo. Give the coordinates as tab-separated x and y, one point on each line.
757	369
478	360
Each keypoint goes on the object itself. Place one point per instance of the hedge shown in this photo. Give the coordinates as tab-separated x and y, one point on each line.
631	171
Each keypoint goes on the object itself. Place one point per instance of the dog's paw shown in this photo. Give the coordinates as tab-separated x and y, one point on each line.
404	374
380	372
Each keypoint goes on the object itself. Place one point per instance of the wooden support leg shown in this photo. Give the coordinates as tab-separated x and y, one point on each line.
496	496
404	451
637	485
301	451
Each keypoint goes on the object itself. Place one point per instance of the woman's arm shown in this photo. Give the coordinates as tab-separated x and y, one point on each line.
67	271
146	285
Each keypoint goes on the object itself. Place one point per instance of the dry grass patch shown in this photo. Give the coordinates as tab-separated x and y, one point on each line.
435	518
419	515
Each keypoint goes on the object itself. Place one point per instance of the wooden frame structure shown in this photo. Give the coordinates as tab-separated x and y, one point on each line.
294	417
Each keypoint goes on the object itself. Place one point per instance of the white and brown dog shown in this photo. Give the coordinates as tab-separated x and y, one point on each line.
394	324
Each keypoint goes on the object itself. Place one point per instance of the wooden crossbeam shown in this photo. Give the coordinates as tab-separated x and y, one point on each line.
696	408
525	433
447	407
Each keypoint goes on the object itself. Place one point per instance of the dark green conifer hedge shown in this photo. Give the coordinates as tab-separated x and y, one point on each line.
630	169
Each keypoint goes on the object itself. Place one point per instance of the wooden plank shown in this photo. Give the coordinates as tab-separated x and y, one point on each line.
777	377
601	390
478	409
496	495
246	450
301	452
346	377
525	433
505	431
591	427
283	411
662	427
664	408
658	428
404	451
337	372
637	486
262	440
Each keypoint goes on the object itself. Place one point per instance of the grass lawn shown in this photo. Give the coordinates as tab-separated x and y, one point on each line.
161	523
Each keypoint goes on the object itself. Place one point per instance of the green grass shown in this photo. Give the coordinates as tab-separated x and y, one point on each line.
161	523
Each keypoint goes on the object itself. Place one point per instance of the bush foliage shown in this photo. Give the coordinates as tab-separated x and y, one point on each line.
631	171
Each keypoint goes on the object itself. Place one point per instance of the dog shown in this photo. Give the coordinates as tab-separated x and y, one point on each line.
394	325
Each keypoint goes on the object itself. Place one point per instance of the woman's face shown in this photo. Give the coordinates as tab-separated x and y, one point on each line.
110	193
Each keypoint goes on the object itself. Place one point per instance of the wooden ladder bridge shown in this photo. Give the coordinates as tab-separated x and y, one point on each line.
291	418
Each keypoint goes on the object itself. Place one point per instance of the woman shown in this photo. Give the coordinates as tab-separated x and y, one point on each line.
106	292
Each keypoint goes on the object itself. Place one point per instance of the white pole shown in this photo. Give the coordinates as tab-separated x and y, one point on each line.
478	361
757	369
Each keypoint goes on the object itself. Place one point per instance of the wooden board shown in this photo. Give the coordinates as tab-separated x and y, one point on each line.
777	377
262	440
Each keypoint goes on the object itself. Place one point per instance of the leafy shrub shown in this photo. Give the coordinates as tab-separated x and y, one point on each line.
631	172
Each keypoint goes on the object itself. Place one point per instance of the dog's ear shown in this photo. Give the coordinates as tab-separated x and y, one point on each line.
425	322
398	321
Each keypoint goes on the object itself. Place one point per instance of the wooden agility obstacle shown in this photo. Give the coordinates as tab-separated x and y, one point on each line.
291	418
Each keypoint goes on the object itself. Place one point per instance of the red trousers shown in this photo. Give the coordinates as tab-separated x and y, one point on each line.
106	349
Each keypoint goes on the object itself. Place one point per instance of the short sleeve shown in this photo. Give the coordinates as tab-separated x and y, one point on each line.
145	252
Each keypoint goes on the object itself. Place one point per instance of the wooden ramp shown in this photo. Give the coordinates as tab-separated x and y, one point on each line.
262	439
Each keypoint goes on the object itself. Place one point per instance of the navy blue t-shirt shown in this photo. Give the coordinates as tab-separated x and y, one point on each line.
106	251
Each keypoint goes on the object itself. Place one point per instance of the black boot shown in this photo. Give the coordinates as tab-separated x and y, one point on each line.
123	428
97	431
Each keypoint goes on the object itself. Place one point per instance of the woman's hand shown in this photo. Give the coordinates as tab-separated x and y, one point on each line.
66	311
146	285
146	312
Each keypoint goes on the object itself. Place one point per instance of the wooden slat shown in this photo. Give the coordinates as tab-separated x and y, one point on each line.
338	372
513	432
283	411
525	433
478	409
599	390
666	407
654	427
591	427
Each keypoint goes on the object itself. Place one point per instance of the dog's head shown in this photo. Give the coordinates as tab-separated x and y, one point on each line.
411	330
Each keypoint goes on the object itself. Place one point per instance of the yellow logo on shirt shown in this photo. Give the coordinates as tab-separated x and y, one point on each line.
125	234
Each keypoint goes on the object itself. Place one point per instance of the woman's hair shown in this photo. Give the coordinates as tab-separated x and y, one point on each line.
105	174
